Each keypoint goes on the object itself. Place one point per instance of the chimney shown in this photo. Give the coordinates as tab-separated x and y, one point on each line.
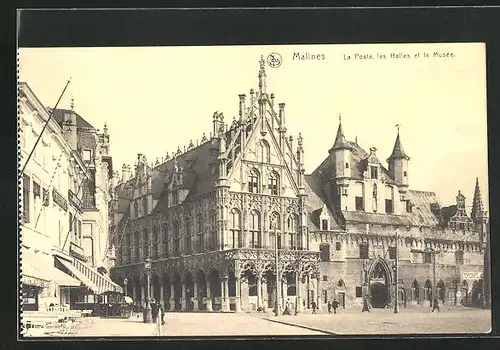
124	173
69	129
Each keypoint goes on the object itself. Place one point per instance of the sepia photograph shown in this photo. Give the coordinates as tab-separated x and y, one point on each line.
253	190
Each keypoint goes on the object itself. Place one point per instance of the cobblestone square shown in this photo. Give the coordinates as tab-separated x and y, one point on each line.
384	321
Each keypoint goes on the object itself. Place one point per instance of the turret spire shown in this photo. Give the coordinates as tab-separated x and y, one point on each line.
340	141
262	77
477	203
397	151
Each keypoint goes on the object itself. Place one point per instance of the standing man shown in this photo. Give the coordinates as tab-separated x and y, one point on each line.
329	307
335	305
313	305
365	305
435	305
154	309
160	312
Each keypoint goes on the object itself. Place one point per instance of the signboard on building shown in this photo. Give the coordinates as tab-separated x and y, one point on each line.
76	251
472	275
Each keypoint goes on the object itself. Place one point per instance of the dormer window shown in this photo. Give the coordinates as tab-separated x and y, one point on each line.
374	172
87	155
324	225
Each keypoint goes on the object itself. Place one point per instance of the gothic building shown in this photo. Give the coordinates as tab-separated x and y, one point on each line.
211	216
364	215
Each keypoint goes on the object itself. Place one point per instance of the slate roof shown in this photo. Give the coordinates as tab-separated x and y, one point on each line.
421	201
59	117
193	162
397	151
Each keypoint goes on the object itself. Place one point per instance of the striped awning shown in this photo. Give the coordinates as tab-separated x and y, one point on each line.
40	271
89	276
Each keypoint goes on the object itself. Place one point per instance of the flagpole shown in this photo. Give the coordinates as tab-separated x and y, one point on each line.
45	127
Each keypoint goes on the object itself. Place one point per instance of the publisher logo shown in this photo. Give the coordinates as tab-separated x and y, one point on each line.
274	60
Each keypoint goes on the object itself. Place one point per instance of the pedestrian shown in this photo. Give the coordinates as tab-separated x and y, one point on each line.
313	305
435	305
335	305
154	310
160	312
365	305
329	305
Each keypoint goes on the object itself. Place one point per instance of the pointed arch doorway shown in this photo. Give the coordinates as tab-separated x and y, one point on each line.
380	282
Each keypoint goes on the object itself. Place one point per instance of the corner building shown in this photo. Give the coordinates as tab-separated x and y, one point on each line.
209	217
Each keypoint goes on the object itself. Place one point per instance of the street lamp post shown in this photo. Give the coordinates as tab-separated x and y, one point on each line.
278	279
148	318
125	282
396	276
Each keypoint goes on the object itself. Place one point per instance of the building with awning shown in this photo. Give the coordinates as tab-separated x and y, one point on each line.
87	275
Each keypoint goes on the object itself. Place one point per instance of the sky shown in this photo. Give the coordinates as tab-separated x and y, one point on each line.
155	99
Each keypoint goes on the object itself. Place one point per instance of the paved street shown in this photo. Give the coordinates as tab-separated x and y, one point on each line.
215	324
378	321
384	321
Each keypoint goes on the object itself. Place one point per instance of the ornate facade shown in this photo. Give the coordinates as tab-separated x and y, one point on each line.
364	216
210	218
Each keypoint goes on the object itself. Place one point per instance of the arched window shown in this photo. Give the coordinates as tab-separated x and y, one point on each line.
440	291
292	223
235	228
136	209
176	238
264	151
212	242
255	239
341	284
374	202
200	246
414	291
274	225
137	246
253	181
187	236
145	206
428	290
274	183
156	252
165	240
145	239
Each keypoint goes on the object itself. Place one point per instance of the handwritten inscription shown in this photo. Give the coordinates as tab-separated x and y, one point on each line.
398	56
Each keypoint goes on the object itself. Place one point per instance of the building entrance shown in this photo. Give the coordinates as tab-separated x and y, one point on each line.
379	294
379	284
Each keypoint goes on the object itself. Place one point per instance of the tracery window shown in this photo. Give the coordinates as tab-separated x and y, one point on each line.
165	240
201	235
187	236
176	238
255	237
146	243
292	223
212	242
156	252
137	246
274	226
235	228
274	183
253	181
136	209
145	206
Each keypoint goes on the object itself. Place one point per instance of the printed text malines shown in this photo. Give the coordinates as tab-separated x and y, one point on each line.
307	56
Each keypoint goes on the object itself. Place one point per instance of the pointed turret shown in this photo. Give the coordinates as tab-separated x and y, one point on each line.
340	141
340	154
397	151
477	212
398	163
